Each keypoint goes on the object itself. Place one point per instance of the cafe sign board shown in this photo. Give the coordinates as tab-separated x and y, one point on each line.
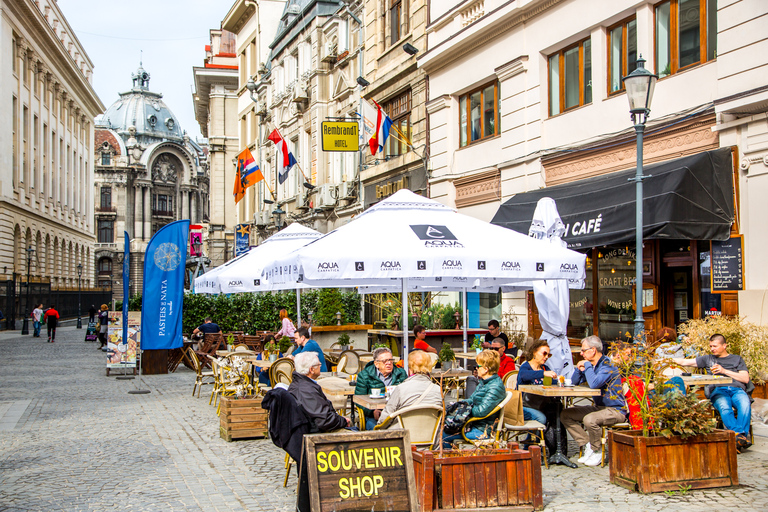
371	471
340	136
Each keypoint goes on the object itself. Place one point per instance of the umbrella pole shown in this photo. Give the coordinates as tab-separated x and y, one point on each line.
298	307
405	323
466	312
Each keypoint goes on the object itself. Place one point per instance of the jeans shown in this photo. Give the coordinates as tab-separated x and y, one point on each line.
472	433
594	418
38	324
534	414
370	422
724	399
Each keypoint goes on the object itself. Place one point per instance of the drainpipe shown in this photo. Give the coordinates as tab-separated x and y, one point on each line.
360	52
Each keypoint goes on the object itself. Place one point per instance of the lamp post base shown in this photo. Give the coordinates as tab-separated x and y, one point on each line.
639	336
25	327
79	322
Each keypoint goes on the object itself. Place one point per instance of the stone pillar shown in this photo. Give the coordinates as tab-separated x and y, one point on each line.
147	220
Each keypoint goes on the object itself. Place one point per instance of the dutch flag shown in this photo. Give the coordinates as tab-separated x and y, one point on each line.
285	159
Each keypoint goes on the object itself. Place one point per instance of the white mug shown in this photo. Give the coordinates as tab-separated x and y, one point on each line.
568	382
376	392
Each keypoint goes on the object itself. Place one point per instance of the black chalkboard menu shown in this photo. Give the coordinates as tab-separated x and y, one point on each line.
728	265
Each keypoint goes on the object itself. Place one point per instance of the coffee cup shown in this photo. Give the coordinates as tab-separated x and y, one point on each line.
568	382
376	392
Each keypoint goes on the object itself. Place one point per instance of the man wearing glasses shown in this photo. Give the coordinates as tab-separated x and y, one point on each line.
378	374
610	407
507	364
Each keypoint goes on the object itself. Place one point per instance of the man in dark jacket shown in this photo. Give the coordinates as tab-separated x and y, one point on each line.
378	374
310	396
610	407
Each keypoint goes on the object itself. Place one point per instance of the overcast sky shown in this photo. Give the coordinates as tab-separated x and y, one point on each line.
171	33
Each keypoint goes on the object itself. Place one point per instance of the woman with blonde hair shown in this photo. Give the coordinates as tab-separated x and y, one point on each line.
287	329
418	389
489	393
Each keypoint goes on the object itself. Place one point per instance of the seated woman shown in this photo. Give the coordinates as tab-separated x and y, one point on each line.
536	407
489	393
417	389
264	372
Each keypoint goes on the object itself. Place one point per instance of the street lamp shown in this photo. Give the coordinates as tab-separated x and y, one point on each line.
338	318
79	314
277	213
25	324
640	85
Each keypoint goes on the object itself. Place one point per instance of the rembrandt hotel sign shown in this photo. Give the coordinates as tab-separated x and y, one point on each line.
361	471
340	136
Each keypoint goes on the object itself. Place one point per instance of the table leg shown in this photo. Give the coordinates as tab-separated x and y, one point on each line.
559	457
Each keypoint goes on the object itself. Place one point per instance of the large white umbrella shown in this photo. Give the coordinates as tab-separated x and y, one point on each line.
551	295
407	238
209	282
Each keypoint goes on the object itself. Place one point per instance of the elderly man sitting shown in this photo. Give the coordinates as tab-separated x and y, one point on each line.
310	396
378	374
418	389
610	407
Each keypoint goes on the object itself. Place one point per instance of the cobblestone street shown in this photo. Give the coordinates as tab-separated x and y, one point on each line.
73	439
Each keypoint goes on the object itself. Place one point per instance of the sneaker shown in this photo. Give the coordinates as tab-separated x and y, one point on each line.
742	443
594	459
587	452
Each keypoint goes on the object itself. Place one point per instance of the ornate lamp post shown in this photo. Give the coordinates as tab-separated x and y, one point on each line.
277	213
640	85
79	314
25	324
338	318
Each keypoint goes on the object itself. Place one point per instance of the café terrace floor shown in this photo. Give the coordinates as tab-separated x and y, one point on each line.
73	439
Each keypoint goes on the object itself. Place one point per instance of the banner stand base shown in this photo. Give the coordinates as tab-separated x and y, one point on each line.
139	392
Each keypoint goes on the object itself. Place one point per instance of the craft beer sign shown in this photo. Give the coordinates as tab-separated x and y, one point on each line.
371	471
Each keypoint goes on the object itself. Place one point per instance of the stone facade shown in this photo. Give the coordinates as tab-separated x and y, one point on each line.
46	174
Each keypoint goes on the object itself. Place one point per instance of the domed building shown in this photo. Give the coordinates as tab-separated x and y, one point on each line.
148	173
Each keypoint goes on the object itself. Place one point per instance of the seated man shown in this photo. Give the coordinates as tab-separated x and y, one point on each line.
418	389
420	344
378	374
208	327
507	364
725	397
494	331
304	344
610	407
309	395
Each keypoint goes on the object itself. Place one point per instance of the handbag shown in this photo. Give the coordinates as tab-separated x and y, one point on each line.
456	415
513	411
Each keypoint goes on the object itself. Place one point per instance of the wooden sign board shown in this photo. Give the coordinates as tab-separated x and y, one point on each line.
371	471
727	260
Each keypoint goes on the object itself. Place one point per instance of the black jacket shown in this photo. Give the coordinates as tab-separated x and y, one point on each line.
320	410
287	421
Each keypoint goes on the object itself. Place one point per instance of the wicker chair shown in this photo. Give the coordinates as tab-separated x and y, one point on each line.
510	379
284	364
531	427
203	377
352	365
493	440
421	421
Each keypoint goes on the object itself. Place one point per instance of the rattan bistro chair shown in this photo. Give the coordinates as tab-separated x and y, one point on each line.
285	365
203	377
493	439
421	421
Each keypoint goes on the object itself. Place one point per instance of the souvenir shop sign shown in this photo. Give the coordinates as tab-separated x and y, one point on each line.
370	471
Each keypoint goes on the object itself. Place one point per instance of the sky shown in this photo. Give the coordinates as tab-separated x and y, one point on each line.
172	35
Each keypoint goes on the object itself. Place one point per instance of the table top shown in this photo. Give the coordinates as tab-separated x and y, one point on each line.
452	373
465	355
336	386
538	389
700	380
370	403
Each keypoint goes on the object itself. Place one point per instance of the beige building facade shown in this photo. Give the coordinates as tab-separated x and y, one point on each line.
46	173
528	94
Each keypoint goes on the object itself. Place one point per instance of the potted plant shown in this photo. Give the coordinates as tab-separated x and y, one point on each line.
284	344
270	350
230	342
343	340
477	344
446	356
677	443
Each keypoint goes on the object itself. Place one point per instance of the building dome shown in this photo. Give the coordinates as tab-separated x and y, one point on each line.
144	110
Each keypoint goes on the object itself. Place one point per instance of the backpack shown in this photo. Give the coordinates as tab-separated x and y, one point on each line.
456	415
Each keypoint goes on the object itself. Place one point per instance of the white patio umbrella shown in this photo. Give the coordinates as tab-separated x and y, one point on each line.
551	295
407	238
209	282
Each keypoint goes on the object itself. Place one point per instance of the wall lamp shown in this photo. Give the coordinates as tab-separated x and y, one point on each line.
362	82
410	49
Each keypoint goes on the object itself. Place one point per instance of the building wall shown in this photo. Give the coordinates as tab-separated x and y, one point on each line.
46	199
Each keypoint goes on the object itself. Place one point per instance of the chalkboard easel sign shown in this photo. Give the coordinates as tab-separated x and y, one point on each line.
371	471
727	272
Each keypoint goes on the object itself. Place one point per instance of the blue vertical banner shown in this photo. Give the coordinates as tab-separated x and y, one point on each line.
242	239
126	284
163	289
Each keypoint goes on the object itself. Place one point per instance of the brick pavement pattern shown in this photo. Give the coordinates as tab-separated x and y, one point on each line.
73	439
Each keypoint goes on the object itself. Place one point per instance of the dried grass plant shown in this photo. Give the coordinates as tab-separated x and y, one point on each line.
746	339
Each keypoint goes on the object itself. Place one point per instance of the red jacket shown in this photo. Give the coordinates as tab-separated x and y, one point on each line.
507	365
52	313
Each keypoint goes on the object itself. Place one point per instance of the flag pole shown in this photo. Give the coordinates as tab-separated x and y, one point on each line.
297	162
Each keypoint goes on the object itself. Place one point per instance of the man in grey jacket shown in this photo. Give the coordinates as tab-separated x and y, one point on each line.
418	389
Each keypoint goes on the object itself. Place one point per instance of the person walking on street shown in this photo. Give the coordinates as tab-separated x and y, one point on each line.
92	313
103	325
51	317
37	317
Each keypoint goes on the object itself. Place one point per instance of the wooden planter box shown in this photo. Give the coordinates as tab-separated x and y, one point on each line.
242	417
655	464
508	479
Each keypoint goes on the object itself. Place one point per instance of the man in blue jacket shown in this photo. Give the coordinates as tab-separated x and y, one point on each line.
304	344
610	407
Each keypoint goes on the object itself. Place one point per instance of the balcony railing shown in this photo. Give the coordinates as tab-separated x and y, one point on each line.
162	213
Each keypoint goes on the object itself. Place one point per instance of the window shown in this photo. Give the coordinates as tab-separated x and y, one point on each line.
399	110
622	53
106	159
479	114
14	54
162	204
106	197
398	20
106	232
686	34
15	138
570	77
105	266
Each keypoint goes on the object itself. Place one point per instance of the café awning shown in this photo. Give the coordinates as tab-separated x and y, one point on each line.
686	198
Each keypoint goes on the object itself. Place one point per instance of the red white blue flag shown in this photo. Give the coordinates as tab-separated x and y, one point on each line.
376	125
285	159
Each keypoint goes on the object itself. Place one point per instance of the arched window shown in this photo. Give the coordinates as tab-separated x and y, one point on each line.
105	266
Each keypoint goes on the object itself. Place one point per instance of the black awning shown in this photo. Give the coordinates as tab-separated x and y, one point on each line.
687	198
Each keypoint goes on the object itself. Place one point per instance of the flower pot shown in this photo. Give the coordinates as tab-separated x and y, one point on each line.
478	350
502	478
272	358
655	464
446	365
